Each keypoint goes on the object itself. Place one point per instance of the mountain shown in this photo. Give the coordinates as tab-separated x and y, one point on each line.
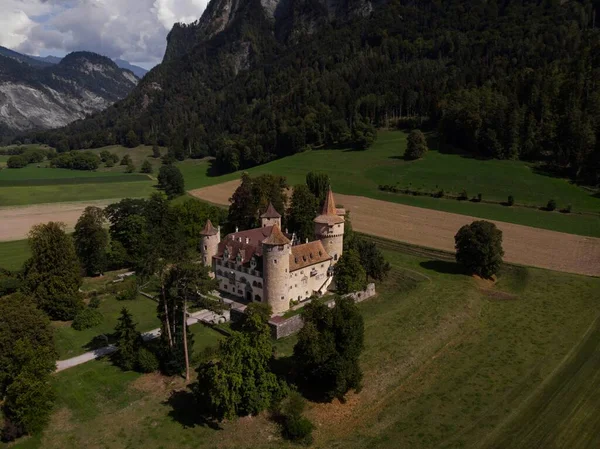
137	70
49	59
253	80
30	60
42	95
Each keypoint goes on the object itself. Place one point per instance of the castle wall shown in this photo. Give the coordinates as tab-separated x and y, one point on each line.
237	281
271	222
276	265
305	282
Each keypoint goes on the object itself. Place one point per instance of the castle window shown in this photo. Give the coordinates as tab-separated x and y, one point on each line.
205	247
283	297
254	284
260	285
304	258
275	261
257	298
320	253
225	287
219	272
335	257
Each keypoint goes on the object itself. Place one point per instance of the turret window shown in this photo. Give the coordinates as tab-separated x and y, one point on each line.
205	247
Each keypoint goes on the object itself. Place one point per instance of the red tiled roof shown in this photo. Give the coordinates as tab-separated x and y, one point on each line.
271	212
209	229
276	237
308	254
329	214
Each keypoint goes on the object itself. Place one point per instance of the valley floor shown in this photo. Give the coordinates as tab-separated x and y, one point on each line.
450	361
435	229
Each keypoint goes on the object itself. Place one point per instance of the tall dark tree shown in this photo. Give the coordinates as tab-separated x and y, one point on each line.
127	340
170	180
27	358
318	184
479	248
227	388
91	240
350	276
302	211
52	274
328	349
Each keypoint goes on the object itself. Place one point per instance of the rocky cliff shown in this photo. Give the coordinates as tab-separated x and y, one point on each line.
34	96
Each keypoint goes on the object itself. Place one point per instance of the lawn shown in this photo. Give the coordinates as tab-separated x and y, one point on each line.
361	172
450	361
70	342
14	254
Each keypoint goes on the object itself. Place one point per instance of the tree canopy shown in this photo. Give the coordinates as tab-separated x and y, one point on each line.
479	248
52	274
170	180
91	240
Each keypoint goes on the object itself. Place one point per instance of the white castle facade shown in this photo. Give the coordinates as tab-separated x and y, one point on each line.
266	265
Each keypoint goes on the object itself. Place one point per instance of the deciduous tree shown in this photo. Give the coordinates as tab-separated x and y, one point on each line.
52	274
416	146
302	211
479	248
91	240
350	276
170	180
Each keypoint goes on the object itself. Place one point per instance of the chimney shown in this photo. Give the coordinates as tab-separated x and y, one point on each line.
237	229
306	240
247	240
286	231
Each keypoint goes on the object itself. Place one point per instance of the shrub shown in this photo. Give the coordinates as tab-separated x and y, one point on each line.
11	431
130	168
463	195
479	197
551	205
567	210
16	162
439	194
129	292
126	160
511	200
479	248
296	427
146	167
86	319
94	302
109	163
147	362
417	145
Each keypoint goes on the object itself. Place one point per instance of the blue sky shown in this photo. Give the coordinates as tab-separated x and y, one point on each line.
134	30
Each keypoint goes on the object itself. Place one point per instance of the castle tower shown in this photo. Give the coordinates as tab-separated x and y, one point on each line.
276	266
271	217
209	243
329	228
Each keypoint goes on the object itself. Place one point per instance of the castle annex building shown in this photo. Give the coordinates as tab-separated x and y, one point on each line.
267	265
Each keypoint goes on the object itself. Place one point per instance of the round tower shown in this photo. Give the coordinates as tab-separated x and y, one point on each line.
329	228
276	266
209	243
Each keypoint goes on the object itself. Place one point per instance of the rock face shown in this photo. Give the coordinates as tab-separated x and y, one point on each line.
42	96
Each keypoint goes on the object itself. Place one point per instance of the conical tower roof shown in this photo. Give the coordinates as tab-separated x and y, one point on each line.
276	238
271	212
209	229
329	213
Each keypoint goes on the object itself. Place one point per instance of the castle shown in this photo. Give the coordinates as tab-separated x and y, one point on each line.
269	266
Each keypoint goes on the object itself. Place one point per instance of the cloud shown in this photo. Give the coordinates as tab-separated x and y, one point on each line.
134	30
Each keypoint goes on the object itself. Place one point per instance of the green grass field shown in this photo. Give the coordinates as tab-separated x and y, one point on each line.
35	185
449	362
361	172
14	254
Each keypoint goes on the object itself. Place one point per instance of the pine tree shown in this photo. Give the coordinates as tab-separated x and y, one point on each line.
128	341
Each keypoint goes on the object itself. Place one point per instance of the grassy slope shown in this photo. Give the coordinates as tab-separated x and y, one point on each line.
14	254
445	365
360	173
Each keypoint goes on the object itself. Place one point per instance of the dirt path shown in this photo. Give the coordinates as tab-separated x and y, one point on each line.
425	227
16	221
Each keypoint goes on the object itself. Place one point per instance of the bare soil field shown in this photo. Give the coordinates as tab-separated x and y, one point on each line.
15	222
425	227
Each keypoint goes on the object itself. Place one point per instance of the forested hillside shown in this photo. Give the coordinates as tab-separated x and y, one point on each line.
498	78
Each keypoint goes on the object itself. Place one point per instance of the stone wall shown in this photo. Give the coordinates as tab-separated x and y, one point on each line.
281	327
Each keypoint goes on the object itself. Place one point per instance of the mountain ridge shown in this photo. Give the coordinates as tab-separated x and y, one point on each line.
53	95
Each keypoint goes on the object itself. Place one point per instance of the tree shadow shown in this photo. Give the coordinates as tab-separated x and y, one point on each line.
442	266
99	341
184	410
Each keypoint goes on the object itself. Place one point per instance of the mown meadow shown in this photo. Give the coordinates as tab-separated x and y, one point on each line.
362	172
449	361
